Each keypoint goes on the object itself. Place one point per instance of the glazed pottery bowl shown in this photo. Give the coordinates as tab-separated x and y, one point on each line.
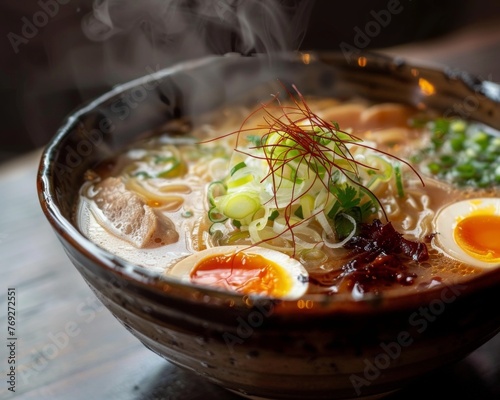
319	347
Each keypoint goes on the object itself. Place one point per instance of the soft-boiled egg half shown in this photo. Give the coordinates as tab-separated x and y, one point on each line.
249	270
469	231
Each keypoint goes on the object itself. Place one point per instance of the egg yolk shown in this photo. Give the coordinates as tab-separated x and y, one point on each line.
243	273
479	236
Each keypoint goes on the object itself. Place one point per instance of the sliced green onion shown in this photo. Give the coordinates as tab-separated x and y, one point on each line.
327	229
217	168
239	205
461	153
481	139
434	168
336	245
306	205
237	167
215	215
286	171
399	181
237	236
382	172
466	171
457	141
383	168
303	237
142	174
440	129
458	126
164	159
272	143
173	168
280	224
215	189
313	258
497	174
240	181
447	160
187	214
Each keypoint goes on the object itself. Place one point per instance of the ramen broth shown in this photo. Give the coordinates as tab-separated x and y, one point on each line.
169	196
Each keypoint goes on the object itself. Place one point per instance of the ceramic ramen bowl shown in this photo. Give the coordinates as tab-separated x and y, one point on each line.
315	347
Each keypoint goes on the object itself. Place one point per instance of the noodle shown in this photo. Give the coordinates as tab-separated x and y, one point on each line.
296	211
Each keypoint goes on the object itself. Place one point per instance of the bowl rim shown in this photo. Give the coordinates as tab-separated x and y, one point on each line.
156	282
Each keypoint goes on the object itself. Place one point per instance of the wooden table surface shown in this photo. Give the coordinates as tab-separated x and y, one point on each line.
69	347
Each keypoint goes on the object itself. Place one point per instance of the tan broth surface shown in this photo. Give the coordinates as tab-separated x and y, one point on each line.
180	195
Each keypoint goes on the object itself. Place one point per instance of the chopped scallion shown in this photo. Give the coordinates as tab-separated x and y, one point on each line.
399	181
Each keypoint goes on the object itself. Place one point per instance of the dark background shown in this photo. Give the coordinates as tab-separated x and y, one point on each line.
59	67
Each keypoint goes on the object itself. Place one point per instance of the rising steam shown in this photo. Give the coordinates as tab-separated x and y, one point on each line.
197	27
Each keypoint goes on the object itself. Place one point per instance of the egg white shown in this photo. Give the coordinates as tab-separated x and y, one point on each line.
446	222
291	266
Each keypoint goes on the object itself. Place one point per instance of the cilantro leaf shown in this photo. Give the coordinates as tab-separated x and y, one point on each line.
347	197
367	209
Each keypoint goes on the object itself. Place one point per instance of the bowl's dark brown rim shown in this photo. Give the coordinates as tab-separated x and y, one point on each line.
156	282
